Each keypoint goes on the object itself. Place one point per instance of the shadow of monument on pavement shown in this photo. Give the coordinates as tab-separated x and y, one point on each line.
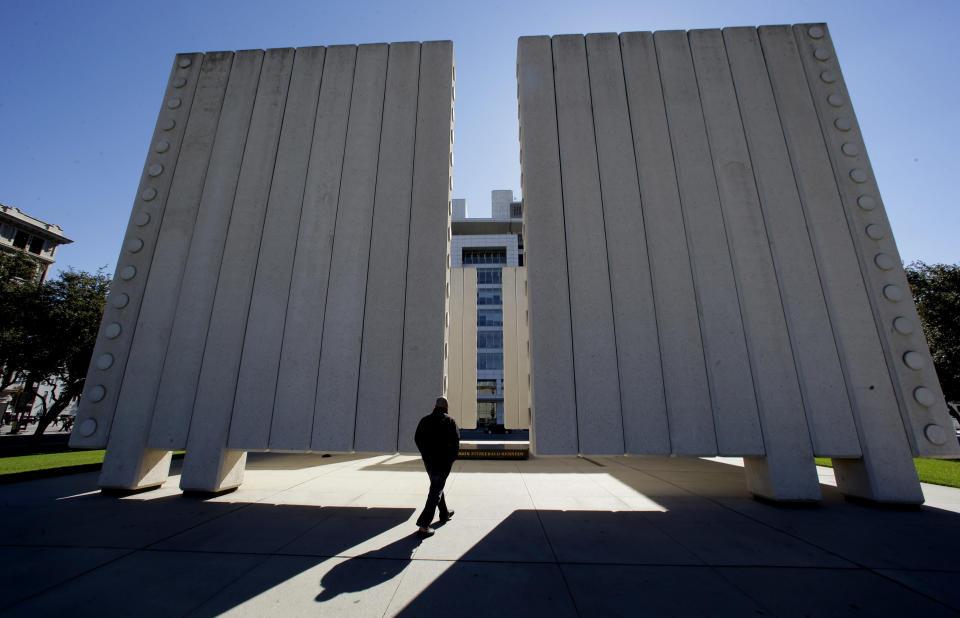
360	573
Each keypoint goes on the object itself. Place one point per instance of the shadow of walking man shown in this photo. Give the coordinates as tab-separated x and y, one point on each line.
368	570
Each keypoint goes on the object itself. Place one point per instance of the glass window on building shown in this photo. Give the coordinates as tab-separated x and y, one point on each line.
489	360
489	317
484	255
21	239
486	387
490	340
36	245
489	276
489	296
486	413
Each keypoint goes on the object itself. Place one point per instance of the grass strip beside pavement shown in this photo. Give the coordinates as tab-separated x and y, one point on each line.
934	471
48	461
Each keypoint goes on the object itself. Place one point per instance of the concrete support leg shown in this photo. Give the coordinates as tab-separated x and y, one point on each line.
213	471
782	479
890	481
123	470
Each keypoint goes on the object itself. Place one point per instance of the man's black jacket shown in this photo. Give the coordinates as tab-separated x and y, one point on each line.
438	438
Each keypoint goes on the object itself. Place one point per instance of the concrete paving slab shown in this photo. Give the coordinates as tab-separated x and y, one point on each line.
146	583
628	590
823	592
38	568
631	536
301	586
437	588
938	585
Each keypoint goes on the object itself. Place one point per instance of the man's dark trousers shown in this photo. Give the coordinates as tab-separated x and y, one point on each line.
438	473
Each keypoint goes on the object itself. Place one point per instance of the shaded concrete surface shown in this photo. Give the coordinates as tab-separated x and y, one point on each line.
565	536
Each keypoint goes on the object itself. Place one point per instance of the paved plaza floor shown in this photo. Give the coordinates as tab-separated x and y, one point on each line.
606	536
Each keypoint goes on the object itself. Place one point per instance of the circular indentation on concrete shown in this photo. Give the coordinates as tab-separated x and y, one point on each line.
821	54
167	124
179	82
914	360
935	434
884	261
119	300
174	103
112	331
903	326
924	396
88	427
815	32
828	77
155	170
866	202
148	194
104	361
141	218
843	124
875	231
893	293
858	176
162	146
836	100
97	393
184	62
850	149
128	272
134	245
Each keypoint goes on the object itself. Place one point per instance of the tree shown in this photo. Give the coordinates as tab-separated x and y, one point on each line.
936	292
48	332
19	298
73	306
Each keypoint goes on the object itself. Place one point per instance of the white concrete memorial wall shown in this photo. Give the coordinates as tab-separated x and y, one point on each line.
281	282
710	268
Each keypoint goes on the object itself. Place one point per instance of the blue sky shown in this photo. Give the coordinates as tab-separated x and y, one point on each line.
81	83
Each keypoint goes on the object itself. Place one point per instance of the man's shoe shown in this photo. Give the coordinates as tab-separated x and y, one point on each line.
424	532
448	517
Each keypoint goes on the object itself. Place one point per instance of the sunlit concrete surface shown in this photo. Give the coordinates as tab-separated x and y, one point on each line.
566	536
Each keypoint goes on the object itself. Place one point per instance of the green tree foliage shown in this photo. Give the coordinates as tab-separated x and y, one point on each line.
48	332
936	291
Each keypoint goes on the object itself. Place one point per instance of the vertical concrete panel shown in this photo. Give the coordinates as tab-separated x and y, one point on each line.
257	381
523	345
181	368
422	373
599	419
787	471
922	406
378	398
638	349
303	327
468	362
828	413
123	464
886	472
724	347
553	394
511	397
684	373
208	466
99	401
339	369
454	346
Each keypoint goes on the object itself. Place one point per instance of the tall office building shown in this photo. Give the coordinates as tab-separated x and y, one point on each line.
489	245
38	239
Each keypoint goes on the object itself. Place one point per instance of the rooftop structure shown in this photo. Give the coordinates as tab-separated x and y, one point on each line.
40	239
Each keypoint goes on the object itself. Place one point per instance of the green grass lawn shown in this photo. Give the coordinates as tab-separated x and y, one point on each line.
936	471
45	461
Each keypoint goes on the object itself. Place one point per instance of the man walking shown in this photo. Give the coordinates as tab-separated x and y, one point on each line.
438	439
